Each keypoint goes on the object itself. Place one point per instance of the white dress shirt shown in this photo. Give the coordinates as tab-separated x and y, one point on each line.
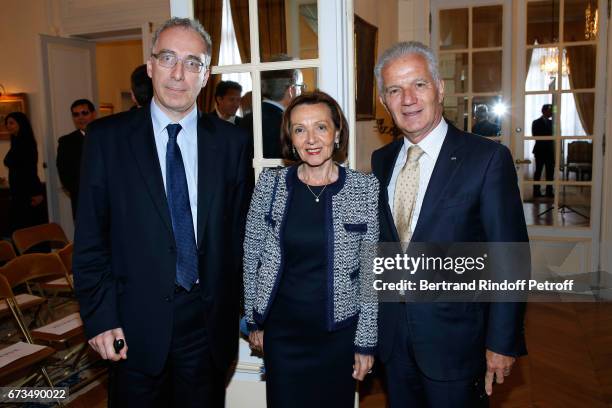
431	145
188	143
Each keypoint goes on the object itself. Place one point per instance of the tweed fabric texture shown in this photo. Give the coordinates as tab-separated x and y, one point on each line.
353	226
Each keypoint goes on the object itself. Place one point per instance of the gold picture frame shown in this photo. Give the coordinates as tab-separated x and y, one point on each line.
11	103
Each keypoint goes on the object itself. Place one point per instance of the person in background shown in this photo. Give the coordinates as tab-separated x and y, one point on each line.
278	88
70	148
25	188
141	86
310	313
544	150
227	101
483	126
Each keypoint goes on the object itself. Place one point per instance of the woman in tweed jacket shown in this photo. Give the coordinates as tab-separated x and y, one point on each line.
302	280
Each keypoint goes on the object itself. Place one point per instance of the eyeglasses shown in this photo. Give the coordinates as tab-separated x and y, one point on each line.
170	59
301	86
76	114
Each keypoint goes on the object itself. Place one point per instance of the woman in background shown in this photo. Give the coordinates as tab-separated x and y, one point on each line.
24	185
306	294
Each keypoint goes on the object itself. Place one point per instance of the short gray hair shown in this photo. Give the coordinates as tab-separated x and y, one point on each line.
187	24
402	49
275	83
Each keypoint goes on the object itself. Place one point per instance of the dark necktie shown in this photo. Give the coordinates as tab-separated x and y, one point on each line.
180	212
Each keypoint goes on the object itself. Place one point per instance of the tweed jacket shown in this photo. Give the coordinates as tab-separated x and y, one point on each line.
352	212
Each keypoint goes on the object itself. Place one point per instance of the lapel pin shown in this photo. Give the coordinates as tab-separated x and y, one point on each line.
453	158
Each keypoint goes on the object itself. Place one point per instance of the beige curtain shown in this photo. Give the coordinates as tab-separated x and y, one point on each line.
208	12
581	61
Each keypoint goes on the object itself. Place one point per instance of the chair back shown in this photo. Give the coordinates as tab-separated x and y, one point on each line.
65	255
6	252
32	268
27	238
580	152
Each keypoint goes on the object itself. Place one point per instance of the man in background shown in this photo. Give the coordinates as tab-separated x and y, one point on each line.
483	126
141	86
278	88
70	147
227	101
544	150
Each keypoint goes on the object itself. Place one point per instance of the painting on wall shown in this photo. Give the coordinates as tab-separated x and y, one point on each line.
8	104
366	39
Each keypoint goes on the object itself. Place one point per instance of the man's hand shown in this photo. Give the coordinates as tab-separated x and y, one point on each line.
36	200
498	367
363	365
256	340
103	344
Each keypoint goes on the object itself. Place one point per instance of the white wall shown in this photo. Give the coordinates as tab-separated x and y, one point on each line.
382	14
20	71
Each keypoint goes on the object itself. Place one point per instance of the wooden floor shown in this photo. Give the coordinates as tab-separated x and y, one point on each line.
569	363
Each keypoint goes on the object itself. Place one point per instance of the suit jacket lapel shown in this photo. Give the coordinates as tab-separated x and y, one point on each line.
142	143
208	167
447	163
386	177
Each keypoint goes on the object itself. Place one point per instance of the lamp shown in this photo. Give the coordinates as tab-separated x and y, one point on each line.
2	90
591	23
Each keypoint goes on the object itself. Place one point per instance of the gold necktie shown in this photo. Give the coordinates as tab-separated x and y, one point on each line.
406	190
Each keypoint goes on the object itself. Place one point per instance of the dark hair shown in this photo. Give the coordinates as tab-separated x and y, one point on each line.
313	98
224	86
142	86
25	136
87	102
546	106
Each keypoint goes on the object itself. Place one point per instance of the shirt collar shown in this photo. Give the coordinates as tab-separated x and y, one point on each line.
432	143
271	102
189	123
231	119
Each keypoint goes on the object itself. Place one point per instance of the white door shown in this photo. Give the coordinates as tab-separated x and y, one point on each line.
68	74
560	60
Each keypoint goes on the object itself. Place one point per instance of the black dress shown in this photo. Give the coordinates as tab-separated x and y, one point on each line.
24	184
306	364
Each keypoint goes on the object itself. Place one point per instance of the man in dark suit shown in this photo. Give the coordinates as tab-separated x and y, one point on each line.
278	88
544	150
159	234
70	148
442	185
227	101
141	86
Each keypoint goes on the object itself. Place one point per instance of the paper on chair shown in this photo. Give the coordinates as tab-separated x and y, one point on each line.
16	351
61	326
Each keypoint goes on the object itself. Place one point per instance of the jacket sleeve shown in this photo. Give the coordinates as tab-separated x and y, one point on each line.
366	337
501	211
254	239
95	285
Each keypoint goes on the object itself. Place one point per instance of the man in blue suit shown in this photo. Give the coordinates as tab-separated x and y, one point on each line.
440	184
159	233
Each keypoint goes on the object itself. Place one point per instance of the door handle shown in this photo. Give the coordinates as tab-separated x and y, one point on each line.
523	161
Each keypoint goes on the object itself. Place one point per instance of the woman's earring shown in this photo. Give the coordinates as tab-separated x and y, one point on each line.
337	145
294	152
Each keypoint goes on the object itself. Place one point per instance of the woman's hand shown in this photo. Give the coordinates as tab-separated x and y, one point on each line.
36	200
363	366
256	340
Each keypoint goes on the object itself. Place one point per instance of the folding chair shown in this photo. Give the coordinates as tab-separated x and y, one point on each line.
20	359
26	239
65	283
23	301
60	334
